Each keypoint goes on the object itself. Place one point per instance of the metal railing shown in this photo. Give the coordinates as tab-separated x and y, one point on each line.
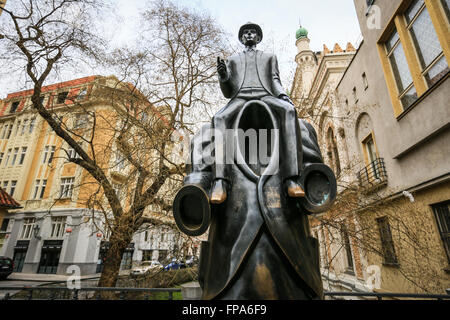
64	293
123	294
380	296
373	174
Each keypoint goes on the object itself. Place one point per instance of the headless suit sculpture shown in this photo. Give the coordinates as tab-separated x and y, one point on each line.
259	244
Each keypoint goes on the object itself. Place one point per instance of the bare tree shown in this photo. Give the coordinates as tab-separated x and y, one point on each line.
162	83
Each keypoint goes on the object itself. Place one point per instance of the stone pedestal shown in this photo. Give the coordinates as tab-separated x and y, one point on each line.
191	291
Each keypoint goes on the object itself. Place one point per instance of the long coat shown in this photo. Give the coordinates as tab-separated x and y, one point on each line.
237	224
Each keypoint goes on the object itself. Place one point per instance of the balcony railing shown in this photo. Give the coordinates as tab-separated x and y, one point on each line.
374	175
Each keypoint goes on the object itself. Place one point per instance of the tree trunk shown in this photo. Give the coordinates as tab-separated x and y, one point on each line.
118	243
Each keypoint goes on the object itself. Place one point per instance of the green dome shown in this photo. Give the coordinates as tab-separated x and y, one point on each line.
301	33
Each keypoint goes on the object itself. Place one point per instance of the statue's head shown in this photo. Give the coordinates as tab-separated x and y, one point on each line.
250	34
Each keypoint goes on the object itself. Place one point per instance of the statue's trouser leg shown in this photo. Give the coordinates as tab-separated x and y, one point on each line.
221	122
291	150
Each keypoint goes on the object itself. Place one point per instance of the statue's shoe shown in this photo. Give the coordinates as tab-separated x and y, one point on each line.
219	192
294	190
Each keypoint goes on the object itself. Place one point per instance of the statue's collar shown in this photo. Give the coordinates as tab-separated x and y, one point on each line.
250	49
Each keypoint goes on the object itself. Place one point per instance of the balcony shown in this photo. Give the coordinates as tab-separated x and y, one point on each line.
373	176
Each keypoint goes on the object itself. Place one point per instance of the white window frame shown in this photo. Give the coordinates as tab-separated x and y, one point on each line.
8	155
13	187
23	155
14	158
58	226
27	228
66	189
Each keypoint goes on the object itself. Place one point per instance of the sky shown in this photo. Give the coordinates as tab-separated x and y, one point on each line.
328	22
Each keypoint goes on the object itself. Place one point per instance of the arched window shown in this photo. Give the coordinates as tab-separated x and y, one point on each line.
333	153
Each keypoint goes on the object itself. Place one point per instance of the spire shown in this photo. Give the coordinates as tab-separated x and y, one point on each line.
301	32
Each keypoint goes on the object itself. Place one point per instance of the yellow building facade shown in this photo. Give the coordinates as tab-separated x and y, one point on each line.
60	222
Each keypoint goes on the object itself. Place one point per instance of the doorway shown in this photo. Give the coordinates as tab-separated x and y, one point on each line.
51	251
20	252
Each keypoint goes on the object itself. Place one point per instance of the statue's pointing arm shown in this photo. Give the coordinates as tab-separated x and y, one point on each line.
223	70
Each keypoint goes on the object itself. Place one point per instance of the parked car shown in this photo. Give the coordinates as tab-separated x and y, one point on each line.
175	265
191	262
6	267
145	267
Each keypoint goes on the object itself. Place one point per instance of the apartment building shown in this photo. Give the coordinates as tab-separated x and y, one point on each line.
57	225
388	145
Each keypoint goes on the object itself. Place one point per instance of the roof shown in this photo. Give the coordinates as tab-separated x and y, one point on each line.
6	201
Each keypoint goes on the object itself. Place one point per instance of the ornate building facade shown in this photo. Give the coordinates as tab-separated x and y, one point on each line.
383	126
57	225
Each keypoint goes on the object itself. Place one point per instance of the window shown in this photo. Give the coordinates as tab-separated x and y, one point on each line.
119	162
17	128
52	153
415	58
44	159
36	189
49	152
387	244
16	151
355	95
13	188
348	250
58	226
5	185
32	123
365	82
118	190
8	155
400	68
39	189
442	215
22	155
433	62
147	255
10	127
369	3
82	94
371	158
333	152
446	5
14	106
66	187
72	154
4	227
1	157
62	96
24	125
27	228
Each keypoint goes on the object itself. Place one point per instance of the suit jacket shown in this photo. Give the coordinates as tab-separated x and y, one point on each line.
268	74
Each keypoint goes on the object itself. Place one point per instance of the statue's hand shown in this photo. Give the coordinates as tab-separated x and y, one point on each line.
222	68
285	98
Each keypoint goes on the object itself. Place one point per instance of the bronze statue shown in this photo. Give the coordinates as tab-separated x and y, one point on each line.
259	244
